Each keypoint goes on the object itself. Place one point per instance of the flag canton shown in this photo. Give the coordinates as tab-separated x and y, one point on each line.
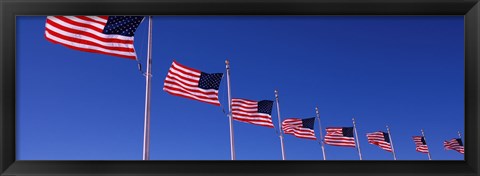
459	141
386	137
423	140
210	81
347	131
265	106
122	25
308	123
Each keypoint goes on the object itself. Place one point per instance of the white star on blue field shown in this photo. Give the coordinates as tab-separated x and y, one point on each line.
406	72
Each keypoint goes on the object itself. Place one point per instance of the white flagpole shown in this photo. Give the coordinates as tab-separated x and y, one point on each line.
356	138
391	143
148	77
232	143
321	133
425	139
460	136
280	125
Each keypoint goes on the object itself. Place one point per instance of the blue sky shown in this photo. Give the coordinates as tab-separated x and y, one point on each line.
406	72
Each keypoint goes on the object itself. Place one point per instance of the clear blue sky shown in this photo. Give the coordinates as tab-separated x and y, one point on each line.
403	71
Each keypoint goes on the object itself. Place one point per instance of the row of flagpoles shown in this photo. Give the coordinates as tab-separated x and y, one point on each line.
259	113
113	35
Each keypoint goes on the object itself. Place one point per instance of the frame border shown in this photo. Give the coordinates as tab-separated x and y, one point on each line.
9	9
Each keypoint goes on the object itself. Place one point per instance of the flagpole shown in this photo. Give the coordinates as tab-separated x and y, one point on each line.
232	148
356	138
391	143
425	139
460	136
148	77
280	126
321	133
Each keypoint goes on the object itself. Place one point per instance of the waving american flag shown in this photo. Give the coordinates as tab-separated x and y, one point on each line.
253	112
340	136
454	144
190	83
420	144
301	128
111	35
380	139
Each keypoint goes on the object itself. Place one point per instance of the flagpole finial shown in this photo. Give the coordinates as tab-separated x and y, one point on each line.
227	65
276	93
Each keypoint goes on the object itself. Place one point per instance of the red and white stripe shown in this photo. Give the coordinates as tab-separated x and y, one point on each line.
247	111
453	145
85	33
419	146
294	126
378	139
335	137
183	81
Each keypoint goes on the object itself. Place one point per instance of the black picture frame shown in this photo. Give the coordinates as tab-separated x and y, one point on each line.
9	9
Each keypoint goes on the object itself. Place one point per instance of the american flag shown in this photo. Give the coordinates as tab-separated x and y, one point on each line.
454	144
111	35
248	111
301	128
380	139
421	145
340	136
190	83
